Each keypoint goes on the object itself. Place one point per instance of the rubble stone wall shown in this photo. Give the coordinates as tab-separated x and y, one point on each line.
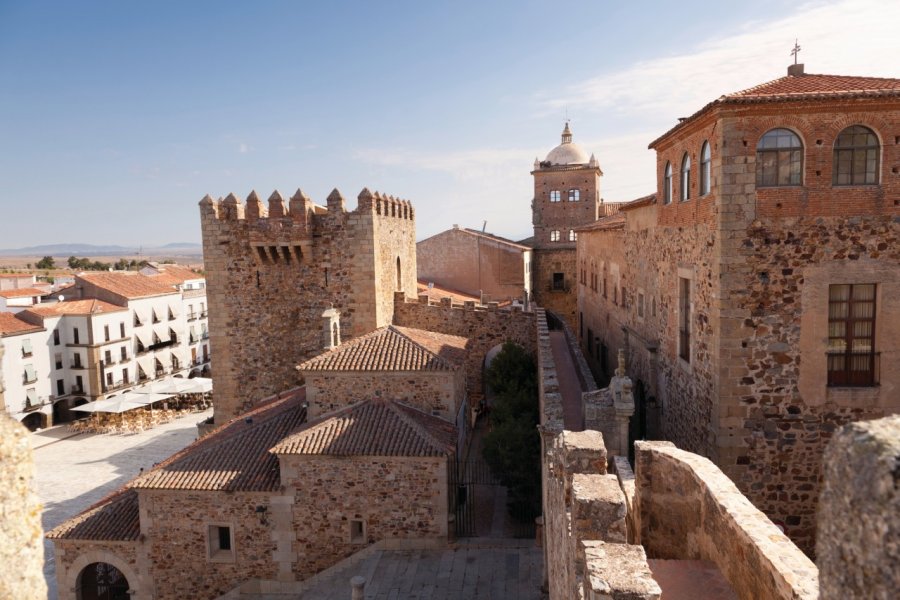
176	551
858	541
330	492
271	272
686	508
72	556
439	392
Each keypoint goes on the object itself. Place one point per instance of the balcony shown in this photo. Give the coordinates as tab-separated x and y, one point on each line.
204	335
78	365
203	314
192	316
163	344
118	385
77	390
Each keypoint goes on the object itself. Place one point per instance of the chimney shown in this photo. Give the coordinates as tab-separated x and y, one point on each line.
795	70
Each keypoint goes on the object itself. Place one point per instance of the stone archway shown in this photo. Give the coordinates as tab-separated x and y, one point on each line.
61	412
34	421
72	581
102	581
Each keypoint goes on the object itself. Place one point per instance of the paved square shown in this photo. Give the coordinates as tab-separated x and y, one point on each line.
74	472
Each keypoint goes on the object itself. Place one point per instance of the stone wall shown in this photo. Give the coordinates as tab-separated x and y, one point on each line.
469	262
272	271
175	555
72	556
559	301
485	327
438	393
858	541
329	492
21	550
686	508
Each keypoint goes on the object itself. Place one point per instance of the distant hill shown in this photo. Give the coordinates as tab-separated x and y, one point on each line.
95	250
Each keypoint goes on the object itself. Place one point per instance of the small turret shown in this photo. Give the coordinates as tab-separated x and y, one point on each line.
277	208
255	208
335	201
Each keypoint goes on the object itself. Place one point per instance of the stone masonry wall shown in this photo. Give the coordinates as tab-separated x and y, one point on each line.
271	272
21	551
561	302
686	508
441	391
175	553
485	327
451	258
858	541
396	498
72	556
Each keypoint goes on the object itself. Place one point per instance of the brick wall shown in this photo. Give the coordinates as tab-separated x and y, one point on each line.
271	273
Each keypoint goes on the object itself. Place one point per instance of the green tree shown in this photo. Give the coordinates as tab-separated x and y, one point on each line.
513	446
46	263
73	262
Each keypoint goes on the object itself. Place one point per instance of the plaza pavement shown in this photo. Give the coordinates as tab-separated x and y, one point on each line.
74	472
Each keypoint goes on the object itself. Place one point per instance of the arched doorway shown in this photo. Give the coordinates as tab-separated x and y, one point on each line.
33	421
61	412
101	581
637	427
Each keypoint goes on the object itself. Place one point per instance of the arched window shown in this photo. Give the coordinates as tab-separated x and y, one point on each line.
399	276
101	581
573	236
574	195
779	159
667	184
554	235
705	168
685	177
856	154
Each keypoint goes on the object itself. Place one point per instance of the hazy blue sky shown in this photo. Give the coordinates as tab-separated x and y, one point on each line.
117	117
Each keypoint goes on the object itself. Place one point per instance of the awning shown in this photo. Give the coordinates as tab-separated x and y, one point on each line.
26	346
143	337
162	332
143	316
147	365
31	397
173	310
30	375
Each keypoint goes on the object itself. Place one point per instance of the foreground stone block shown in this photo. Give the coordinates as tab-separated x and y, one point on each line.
858	538
617	572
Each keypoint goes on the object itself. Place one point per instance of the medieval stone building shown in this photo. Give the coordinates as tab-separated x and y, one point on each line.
272	271
566	196
756	292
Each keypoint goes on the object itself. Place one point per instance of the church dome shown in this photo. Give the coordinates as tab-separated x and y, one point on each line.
568	152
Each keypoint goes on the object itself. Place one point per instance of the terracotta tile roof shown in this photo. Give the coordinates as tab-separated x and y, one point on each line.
127	284
88	306
115	518
393	348
642	201
21	293
436	292
801	87
175	274
12	325
616	221
373	428
236	456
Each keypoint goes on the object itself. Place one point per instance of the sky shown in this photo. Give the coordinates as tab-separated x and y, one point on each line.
116	118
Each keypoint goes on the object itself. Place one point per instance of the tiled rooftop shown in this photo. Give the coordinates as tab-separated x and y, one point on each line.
393	348
616	221
21	293
128	284
236	456
115	518
12	325
175	274
801	87
89	306
374	427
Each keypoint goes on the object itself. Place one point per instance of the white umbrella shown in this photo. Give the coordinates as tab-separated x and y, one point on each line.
120	404
201	385
169	385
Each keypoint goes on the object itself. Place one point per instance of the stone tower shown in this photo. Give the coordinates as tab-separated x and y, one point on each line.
272	270
566	196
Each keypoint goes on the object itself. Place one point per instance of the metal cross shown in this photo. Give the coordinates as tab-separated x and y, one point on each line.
796	50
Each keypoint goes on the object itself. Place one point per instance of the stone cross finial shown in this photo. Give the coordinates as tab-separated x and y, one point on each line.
796	50
620	370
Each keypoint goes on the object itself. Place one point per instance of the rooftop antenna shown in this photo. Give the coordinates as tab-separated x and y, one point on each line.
796	50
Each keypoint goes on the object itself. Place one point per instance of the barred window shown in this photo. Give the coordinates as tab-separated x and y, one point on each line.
852	360
856	157
779	159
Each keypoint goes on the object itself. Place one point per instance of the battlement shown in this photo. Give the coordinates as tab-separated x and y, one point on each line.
300	208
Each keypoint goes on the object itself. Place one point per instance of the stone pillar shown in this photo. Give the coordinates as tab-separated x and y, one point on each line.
358	587
623	401
21	548
858	532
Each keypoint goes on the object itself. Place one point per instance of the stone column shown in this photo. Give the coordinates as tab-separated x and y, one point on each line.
358	587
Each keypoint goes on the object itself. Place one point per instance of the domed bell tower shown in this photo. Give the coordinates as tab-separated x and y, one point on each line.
566	196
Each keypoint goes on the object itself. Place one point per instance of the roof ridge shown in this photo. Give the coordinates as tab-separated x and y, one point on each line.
444	362
398	408
344	346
